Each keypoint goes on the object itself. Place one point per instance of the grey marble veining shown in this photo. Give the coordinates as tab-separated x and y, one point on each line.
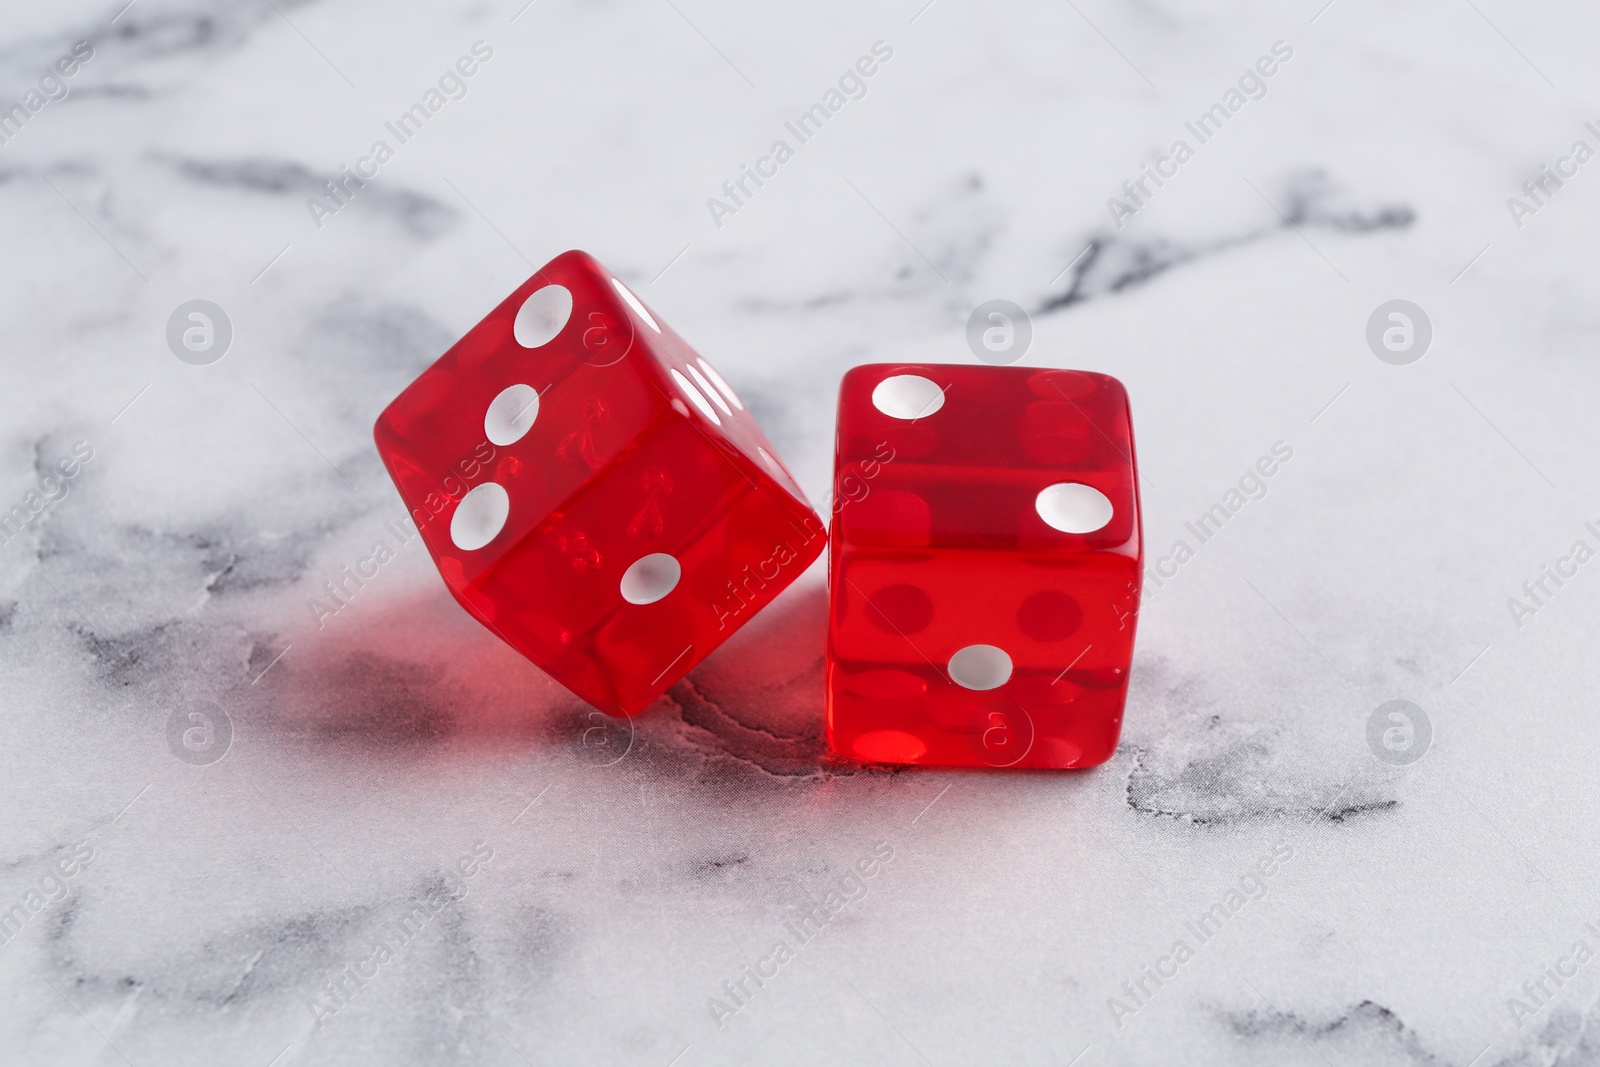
418	849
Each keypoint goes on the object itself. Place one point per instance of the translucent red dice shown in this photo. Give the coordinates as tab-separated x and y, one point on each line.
985	566
592	490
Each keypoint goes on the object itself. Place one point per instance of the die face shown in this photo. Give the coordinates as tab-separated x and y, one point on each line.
540	392
697	544
986	569
584	497
1056	640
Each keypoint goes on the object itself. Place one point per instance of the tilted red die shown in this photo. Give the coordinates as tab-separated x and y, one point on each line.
593	491
985	566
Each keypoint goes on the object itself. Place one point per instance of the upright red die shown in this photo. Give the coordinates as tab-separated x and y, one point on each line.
592	490
985	566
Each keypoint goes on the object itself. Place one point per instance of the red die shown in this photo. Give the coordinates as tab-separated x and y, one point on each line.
985	567
592	491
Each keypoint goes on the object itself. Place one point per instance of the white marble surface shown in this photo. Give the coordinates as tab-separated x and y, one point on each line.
218	900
